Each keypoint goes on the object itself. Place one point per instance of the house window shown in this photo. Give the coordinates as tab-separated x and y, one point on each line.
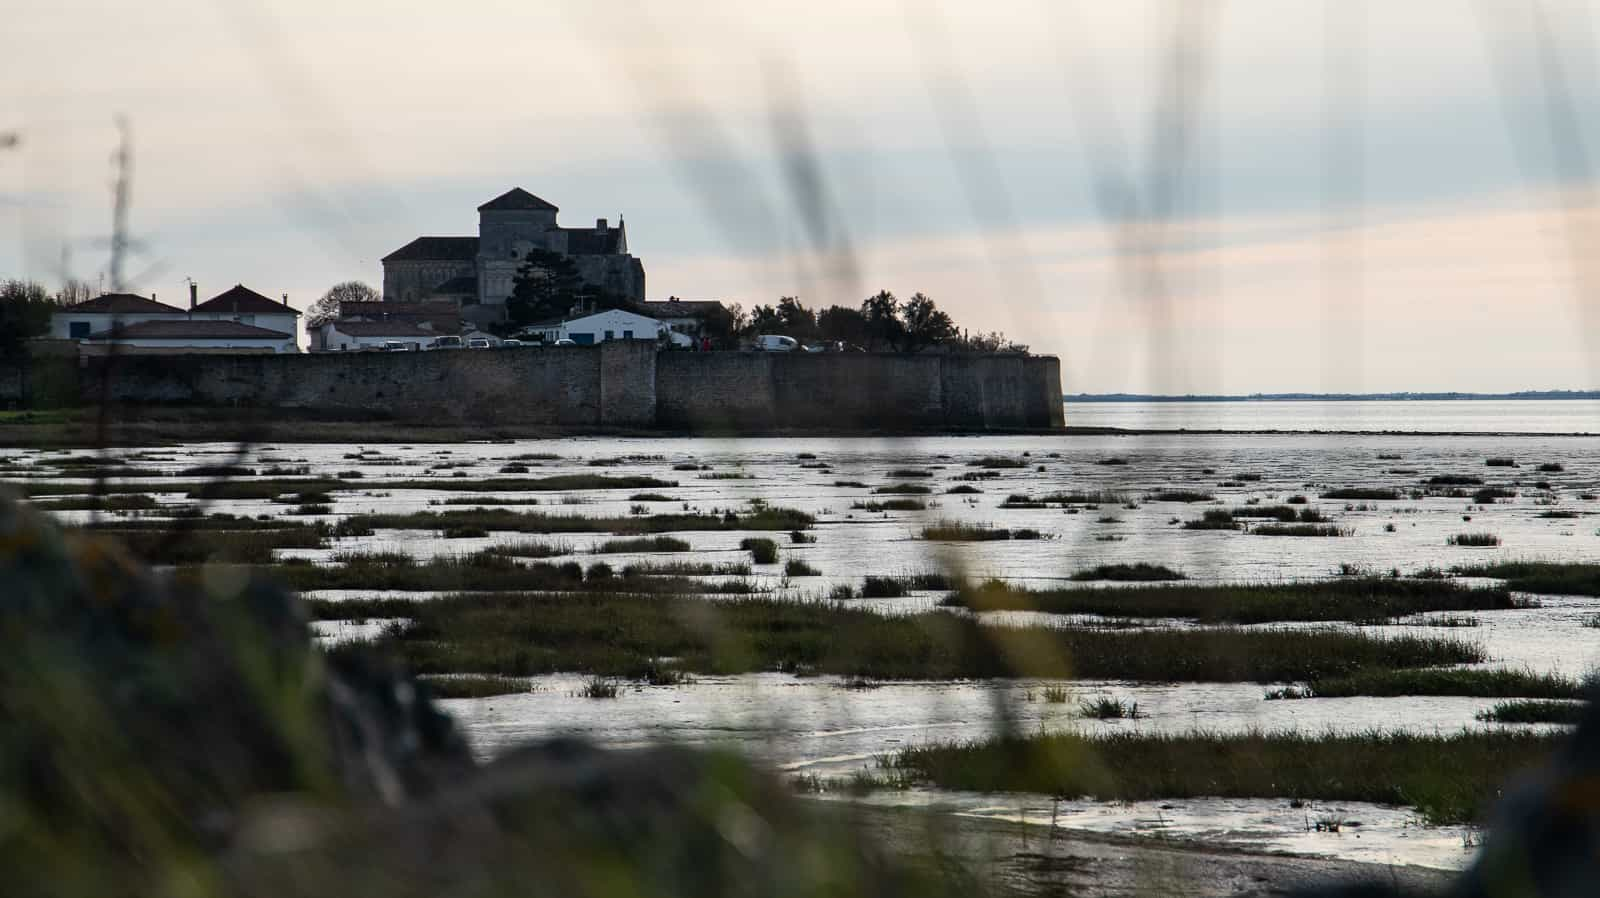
611	335
627	335
78	330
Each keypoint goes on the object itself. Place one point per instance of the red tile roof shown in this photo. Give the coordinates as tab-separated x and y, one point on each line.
241	300
123	304
190	330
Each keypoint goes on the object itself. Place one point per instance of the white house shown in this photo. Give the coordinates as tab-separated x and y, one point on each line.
351	336
611	324
239	319
175	337
93	316
683	316
245	306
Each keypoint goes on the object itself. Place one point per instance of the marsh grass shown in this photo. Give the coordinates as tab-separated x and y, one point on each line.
963	489
1364	599
598	687
1283	513
1301	530
532	549
1180	496
1213	519
255	546
1547	577
903	489
1109	709
474	686
1455	480
1477	682
1055	695
1489	494
1535	711
960	531
1552	467
1473	540
1361	492
116	502
997	462
1140	571
910	473
884	588
761	549
642	544
608	633
1380	767
795	567
506	520
687	569
890	505
1500	462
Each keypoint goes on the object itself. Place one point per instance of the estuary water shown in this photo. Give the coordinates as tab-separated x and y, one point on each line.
1380	416
1547	509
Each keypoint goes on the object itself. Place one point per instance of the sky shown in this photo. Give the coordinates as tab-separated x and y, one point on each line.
1217	197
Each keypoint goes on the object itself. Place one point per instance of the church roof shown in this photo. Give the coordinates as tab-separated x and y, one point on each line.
189	330
592	241
241	300
516	199
669	308
429	249
122	304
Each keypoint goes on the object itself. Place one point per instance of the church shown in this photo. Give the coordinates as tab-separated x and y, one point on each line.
476	273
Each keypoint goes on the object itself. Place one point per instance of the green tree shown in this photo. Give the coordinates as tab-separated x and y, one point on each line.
724	326
924	324
25	310
765	320
328	307
547	285
881	315
799	322
842	324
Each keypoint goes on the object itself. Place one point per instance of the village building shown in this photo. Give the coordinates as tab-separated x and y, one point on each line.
183	336
683	316
477	273
236	320
599	327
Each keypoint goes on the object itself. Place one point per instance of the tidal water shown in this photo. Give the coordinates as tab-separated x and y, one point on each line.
1428	416
817	725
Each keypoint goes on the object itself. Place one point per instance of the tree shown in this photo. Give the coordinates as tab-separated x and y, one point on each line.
842	324
724	326
547	285
799	322
765	320
881	313
74	291
924	325
328	308
25	310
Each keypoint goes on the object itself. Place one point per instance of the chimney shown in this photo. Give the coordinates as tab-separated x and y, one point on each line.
194	291
600	225
286	299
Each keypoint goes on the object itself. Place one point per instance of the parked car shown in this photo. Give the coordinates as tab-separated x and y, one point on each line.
775	343
478	343
395	346
565	342
451	342
512	343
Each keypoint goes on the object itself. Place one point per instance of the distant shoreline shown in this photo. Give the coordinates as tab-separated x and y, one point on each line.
1337	397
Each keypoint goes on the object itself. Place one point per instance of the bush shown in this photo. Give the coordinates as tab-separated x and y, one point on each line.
883	588
1474	540
794	567
1500	462
761	549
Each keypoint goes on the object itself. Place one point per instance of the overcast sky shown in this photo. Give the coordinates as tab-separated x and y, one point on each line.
1256	195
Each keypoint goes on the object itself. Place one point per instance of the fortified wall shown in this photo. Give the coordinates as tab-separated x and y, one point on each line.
618	384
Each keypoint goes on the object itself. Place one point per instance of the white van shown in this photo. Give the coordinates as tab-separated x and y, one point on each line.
775	343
